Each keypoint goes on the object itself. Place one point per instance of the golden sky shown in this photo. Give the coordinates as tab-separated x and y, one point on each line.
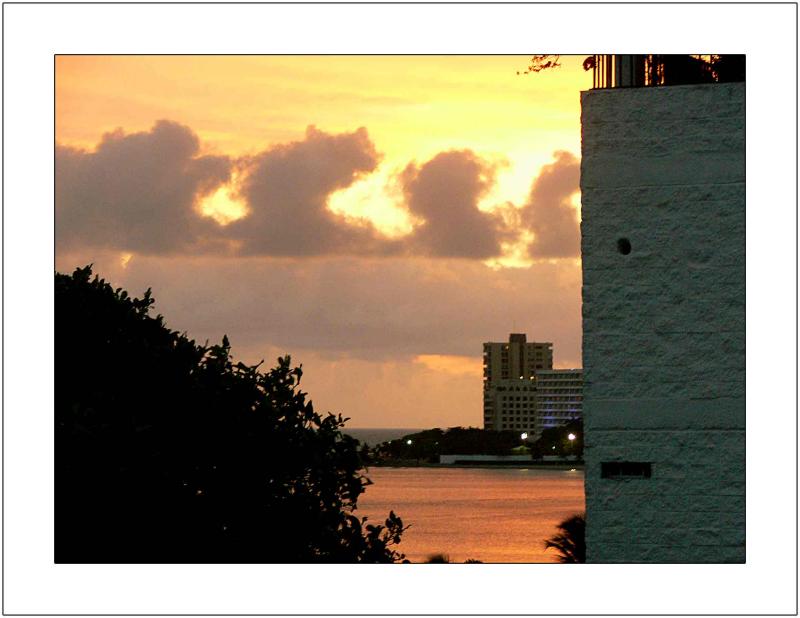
413	107
413	323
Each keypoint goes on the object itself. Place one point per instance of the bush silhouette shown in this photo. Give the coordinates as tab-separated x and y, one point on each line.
570	542
168	451
445	559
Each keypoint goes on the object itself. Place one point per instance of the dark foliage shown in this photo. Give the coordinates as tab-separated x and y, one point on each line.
666	69
472	441
445	559
570	542
429	444
541	62
555	441
729	67
675	70
169	451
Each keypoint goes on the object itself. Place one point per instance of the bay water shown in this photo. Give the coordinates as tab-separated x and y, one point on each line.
486	514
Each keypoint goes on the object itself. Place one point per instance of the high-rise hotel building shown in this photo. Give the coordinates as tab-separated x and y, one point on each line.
559	397
516	359
522	391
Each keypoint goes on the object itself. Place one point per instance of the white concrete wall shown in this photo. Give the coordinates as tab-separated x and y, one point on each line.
449	459
664	326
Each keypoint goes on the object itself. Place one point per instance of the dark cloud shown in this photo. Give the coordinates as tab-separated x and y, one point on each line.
549	213
367	308
287	189
444	194
137	192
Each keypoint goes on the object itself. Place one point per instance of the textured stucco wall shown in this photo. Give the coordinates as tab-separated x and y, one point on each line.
664	326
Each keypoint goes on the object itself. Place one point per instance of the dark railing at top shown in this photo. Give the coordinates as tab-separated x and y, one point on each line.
638	71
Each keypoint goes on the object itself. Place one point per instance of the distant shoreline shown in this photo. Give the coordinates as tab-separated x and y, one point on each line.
515	465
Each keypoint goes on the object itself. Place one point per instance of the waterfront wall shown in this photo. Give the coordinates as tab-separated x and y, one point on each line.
663	254
449	459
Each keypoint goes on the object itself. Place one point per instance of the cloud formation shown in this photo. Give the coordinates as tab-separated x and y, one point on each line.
380	339
140	193
444	193
549	213
287	187
368	308
137	192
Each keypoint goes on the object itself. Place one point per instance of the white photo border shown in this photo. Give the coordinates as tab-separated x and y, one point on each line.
33	33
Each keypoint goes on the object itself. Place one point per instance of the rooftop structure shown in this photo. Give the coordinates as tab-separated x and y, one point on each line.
515	359
644	70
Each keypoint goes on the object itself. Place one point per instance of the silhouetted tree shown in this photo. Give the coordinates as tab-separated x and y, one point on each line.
665	69
729	67
169	451
542	62
570	542
365	453
445	559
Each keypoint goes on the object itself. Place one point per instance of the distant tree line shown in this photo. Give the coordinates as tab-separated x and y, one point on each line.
555	441
427	446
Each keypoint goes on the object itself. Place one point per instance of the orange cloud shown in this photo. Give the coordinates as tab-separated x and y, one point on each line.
454	365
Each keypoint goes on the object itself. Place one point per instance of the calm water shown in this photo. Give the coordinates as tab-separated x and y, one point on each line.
486	514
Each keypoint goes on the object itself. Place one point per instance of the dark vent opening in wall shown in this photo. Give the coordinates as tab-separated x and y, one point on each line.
624	246
625	470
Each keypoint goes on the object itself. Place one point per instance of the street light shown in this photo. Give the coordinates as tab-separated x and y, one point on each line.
523	436
408	442
571	438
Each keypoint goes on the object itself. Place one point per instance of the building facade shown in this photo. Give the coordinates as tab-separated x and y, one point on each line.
559	397
522	391
515	359
508	382
663	258
510	404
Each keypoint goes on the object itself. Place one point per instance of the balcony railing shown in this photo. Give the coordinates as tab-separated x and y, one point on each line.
642	70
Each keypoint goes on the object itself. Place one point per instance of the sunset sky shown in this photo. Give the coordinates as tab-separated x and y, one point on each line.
377	218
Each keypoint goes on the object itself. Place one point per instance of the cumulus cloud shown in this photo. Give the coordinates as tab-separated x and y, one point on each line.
443	194
140	192
549	213
137	192
287	187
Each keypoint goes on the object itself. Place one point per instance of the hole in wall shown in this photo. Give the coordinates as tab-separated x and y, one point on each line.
624	246
625	470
